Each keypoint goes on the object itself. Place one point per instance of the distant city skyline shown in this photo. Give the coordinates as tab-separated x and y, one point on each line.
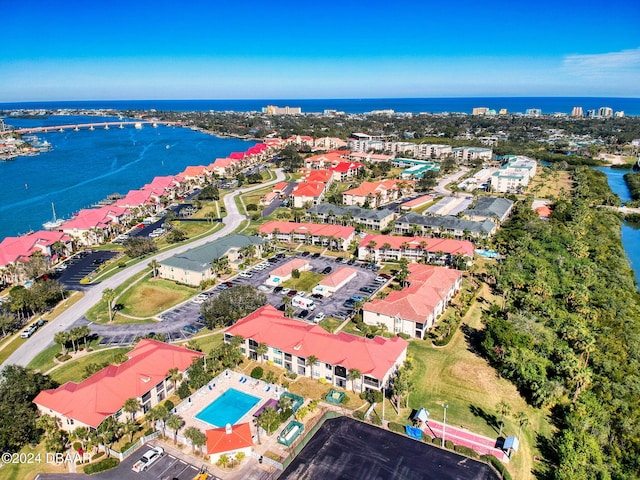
204	50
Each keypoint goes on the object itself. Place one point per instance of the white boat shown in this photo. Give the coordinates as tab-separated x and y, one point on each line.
55	223
138	125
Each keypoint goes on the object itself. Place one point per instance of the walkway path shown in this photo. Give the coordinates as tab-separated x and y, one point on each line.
92	295
446	180
460	436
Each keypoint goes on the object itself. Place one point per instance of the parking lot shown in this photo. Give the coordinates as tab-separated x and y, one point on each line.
183	321
332	306
79	266
167	467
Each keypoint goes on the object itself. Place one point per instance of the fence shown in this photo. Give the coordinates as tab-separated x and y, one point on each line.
267	460
141	441
302	441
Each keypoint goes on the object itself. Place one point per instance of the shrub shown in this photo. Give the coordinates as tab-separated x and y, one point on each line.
396	427
448	444
102	465
345	399
77	446
183	390
257	373
292	375
437	441
97	455
322	380
148	432
169	404
285	414
252	207
406	336
469	452
295	273
363	396
497	464
375	419
358	414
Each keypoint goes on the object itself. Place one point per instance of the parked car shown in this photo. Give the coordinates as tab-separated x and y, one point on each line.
305	254
278	289
380	279
228	284
148	459
303	314
282	307
315	255
292	293
349	304
326	271
356	298
27	332
264	288
285	291
339	259
319	317
246	274
367	290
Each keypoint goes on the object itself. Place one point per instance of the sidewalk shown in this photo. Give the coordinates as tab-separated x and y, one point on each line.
459	436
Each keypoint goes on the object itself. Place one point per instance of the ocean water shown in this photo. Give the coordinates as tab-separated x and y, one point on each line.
84	167
548	105
630	231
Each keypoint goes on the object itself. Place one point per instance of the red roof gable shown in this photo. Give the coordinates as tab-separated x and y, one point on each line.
104	393
308	189
429	286
317	229
339	276
374	357
219	440
344	167
13	249
445	245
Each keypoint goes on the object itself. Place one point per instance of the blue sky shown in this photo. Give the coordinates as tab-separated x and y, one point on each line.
162	49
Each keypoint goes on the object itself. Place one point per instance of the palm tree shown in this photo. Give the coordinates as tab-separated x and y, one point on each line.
261	350
196	436
62	338
354	374
154	267
131	406
159	412
175	376
175	423
109	295
522	420
504	409
312	360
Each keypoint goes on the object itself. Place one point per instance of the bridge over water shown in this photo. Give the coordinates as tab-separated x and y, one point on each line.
91	126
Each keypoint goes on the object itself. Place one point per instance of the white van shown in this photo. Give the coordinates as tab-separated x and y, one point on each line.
302	302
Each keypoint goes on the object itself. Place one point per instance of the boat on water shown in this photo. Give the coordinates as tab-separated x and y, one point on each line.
55	222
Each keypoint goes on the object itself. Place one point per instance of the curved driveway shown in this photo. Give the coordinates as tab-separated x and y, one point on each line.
44	337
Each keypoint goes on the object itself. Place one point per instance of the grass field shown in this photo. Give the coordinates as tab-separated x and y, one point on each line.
207	341
29	471
551	184
455	374
306	282
74	369
152	296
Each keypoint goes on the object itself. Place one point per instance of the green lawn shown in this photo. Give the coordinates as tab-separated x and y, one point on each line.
306	282
330	324
207	341
29	470
74	369
152	296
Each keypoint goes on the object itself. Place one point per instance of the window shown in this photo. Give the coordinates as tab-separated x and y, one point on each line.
277	361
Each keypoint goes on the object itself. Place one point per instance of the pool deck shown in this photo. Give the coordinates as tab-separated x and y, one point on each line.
200	399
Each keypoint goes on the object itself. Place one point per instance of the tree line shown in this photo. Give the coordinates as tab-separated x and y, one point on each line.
567	330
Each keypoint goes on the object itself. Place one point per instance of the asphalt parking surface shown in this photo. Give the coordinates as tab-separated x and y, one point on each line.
167	467
81	265
173	322
346	448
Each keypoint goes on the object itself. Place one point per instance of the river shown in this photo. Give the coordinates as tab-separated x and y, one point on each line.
630	231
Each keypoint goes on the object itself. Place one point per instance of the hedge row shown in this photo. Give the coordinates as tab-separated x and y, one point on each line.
102	465
497	464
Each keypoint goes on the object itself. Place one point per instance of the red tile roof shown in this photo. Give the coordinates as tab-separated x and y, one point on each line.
344	167
13	249
90	218
333	157
371	188
280	186
429	286
317	229
104	393
339	276
237	155
416	202
544	211
194	171
445	245
290	266
374	357
308	189
219	441
318	176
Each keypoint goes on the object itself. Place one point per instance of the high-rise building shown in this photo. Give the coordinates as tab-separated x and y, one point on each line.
619	114
533	112
576	112
480	111
605	112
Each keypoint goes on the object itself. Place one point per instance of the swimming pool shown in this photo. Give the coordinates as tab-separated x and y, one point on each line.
229	407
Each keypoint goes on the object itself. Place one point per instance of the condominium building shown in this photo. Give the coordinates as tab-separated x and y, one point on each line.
514	175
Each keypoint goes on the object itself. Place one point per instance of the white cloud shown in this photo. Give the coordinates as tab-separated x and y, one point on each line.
604	64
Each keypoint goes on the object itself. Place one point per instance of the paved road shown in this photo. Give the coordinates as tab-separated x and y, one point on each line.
44	337
442	186
276	202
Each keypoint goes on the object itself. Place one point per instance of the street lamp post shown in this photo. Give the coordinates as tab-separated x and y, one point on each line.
444	423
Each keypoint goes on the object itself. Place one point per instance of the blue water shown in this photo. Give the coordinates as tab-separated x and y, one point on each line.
630	231
85	166
631	106
228	408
